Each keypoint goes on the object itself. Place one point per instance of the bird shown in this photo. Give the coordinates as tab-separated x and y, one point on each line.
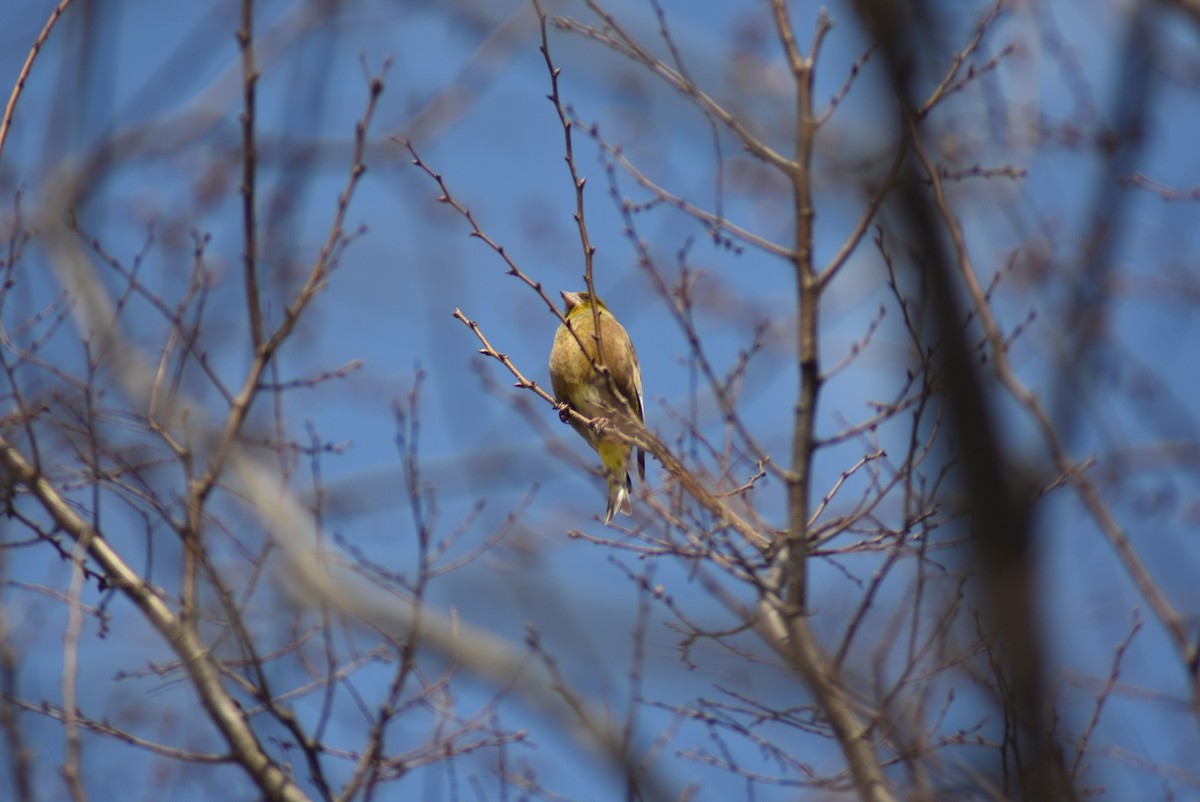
614	395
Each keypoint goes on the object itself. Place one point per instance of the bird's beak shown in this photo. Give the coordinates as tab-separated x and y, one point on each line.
572	299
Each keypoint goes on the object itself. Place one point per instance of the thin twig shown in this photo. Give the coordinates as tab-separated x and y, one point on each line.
10	107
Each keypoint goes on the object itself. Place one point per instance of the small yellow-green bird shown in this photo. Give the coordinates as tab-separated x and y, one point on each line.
589	392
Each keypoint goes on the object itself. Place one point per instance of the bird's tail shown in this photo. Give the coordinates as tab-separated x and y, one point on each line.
615	456
618	497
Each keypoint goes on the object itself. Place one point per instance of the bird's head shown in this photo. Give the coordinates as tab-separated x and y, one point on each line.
578	302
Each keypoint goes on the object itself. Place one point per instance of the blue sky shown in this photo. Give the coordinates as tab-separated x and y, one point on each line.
499	148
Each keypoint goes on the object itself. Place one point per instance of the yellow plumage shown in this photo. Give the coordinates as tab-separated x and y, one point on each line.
616	397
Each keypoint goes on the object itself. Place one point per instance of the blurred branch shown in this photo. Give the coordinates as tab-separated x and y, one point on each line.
1190	7
18	754
1167	193
1084	486
999	512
